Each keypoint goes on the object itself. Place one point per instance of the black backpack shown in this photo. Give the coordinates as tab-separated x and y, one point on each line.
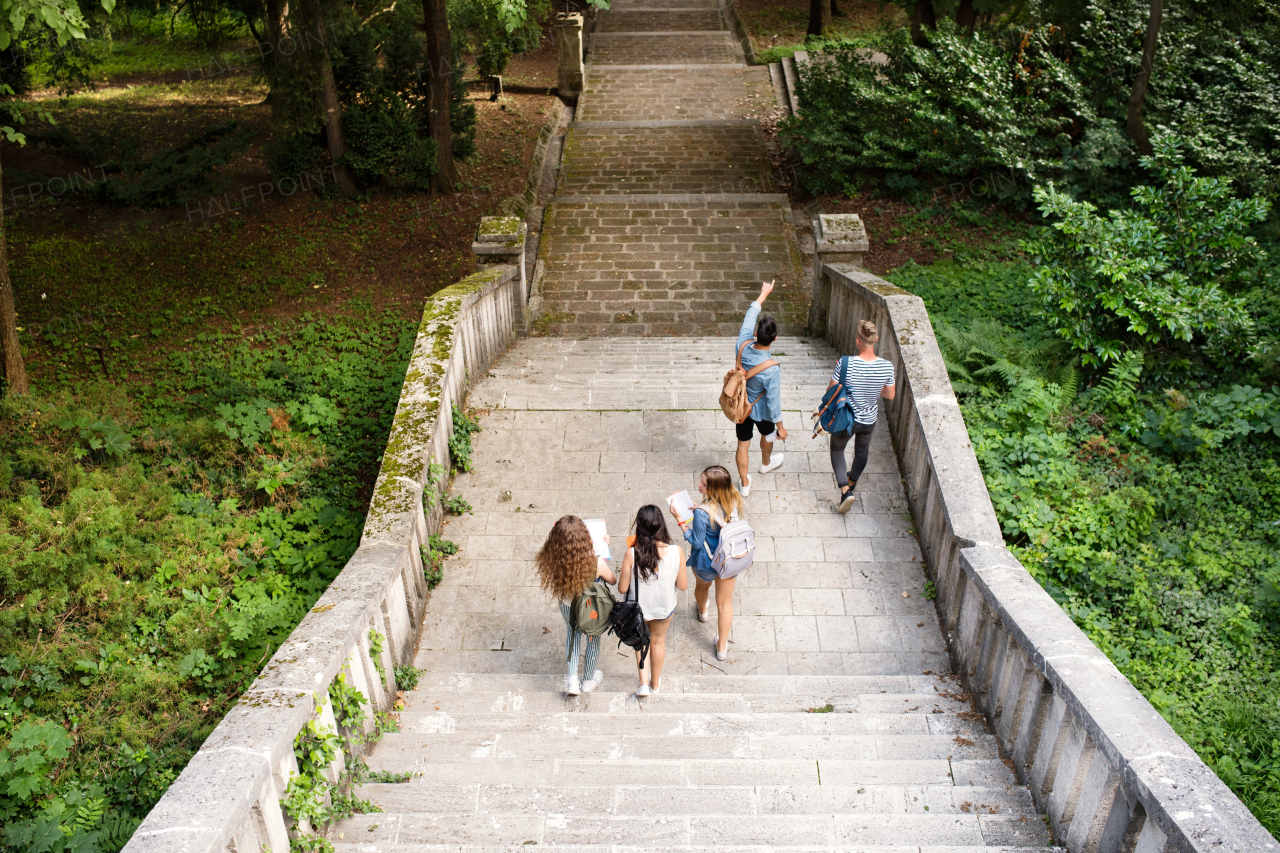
627	622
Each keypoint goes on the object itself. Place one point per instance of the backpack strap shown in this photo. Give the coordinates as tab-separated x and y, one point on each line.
764	365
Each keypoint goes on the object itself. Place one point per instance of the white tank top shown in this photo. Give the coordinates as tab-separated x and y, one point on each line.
657	595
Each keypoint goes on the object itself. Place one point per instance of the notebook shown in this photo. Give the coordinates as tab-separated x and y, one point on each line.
683	506
595	526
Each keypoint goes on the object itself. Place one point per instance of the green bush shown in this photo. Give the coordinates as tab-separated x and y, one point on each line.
969	105
1164	275
292	155
1148	512
181	173
387	143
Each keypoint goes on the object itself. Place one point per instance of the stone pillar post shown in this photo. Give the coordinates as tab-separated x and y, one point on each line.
839	238
500	240
569	50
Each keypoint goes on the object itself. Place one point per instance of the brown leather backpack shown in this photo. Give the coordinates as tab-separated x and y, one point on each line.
733	396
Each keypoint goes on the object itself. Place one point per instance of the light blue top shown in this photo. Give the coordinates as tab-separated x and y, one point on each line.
703	529
766	386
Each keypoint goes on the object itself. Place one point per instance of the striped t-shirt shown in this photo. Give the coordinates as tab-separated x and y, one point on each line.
865	381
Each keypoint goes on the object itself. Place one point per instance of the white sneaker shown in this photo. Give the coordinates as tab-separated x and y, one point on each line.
643	690
721	655
703	617
745	488
774	465
653	690
572	686
593	682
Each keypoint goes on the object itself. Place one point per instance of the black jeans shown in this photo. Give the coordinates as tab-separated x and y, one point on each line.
861	436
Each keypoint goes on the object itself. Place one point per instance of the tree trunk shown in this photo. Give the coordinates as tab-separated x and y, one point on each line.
835	10
440	91
15	372
1137	129
922	17
966	15
270	47
333	132
819	17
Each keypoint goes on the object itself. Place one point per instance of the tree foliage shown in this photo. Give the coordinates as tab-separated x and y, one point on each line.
1164	274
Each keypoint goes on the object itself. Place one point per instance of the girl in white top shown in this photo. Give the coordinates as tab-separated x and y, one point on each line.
659	567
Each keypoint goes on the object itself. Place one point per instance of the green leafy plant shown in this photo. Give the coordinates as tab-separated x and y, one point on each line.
433	558
464	425
407	676
1163	275
376	640
457	505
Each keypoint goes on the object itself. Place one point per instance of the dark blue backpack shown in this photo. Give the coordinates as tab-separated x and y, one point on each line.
836	415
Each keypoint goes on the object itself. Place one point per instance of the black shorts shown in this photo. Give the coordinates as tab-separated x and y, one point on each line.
744	428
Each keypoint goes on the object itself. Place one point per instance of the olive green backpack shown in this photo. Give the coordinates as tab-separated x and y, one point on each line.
591	609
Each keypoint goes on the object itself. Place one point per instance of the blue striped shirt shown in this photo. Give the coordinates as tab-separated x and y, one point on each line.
864	381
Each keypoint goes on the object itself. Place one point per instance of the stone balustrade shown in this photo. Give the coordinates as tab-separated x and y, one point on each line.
228	796
1106	768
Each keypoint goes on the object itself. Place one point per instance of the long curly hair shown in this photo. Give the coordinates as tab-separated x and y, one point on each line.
650	528
566	562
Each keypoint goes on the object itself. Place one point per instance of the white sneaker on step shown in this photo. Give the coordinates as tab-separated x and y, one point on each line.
774	465
643	690
745	488
572	686
721	655
593	682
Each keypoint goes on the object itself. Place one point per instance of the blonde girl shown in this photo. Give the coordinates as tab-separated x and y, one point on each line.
657	568
721	502
567	564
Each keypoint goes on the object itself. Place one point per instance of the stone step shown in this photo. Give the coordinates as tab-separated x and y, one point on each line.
613	702
666	832
365	847
771	685
422	797
648	94
676	20
692	725
575	772
684	159
650	49
622	746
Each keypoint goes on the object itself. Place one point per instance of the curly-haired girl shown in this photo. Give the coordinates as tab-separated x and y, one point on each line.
567	564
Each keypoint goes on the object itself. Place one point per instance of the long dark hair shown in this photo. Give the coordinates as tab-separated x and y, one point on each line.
650	528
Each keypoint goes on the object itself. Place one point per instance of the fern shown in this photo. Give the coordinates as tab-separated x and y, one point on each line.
1118	389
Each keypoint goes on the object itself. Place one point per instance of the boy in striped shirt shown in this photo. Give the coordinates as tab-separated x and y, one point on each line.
868	379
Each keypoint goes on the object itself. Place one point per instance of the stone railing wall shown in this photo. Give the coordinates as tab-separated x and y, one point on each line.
1105	767
228	796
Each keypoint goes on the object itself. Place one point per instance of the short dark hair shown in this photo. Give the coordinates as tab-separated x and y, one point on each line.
766	330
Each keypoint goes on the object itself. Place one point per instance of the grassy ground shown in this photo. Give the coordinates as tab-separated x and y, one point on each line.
779	26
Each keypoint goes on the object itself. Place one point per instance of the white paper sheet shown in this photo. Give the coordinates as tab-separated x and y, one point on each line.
595	526
683	506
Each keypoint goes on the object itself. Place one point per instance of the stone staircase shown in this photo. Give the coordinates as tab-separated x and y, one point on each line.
666	212
833	725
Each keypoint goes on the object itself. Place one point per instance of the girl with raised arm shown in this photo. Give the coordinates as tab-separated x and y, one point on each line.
721	504
657	568
567	564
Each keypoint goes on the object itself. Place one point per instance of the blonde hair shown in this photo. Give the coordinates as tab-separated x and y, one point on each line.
566	562
867	332
721	492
